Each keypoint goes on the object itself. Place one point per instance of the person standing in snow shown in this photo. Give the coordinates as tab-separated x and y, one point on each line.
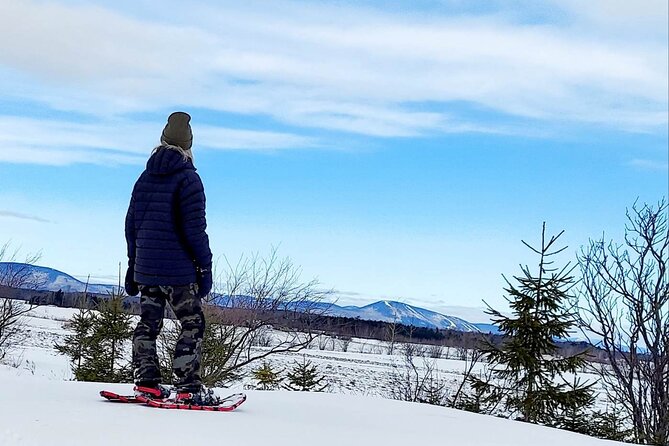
169	261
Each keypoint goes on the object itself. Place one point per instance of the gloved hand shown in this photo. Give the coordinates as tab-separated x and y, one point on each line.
204	281
131	287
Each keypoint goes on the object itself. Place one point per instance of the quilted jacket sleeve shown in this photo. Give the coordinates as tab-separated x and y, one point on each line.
130	235
192	204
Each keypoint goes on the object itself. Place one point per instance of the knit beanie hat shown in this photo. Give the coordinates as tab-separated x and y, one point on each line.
177	132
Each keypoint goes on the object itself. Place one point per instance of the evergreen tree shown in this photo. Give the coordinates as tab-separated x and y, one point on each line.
304	377
608	425
78	345
434	391
267	377
221	345
97	347
526	364
112	330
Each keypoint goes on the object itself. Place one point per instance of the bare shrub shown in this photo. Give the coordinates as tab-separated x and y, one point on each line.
262	337
462	399
461	353
12	324
435	351
344	342
15	275
412	350
250	298
410	381
323	342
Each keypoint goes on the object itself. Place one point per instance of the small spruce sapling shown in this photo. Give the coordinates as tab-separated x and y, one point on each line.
267	377
304	377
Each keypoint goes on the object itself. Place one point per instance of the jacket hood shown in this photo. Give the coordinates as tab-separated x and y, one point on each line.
166	161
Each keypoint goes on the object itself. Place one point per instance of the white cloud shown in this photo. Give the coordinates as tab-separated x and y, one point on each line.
336	67
58	142
645	164
225	138
640	18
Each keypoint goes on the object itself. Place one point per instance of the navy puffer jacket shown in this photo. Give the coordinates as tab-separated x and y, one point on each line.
165	226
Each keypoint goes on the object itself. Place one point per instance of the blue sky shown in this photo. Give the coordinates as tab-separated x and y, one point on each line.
398	150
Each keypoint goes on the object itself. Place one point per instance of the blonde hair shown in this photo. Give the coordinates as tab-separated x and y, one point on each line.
187	154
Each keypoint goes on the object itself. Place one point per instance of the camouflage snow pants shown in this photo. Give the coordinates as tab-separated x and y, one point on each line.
188	352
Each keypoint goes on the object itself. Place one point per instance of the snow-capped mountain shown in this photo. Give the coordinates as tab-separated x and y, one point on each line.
402	313
49	279
385	310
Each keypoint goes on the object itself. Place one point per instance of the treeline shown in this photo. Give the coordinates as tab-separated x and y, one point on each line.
335	326
61	298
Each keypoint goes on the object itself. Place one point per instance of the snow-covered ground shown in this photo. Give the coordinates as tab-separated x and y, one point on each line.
41	406
38	412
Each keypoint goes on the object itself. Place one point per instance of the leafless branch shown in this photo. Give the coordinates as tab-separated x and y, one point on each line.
624	304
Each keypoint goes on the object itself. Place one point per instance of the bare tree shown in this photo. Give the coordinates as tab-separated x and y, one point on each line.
14	275
258	307
624	302
391	333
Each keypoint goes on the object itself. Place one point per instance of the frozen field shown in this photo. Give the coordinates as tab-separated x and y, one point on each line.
362	369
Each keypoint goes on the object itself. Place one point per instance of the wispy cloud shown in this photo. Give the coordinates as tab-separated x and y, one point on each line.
12	214
661	166
57	142
226	138
621	18
342	67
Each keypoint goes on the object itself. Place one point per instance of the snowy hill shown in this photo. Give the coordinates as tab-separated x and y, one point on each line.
37	412
50	279
41	406
399	312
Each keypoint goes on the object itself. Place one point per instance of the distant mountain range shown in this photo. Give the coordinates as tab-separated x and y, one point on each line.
50	279
384	310
392	311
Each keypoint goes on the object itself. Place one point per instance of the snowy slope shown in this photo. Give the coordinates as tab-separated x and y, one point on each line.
54	280
40	406
399	312
37	412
